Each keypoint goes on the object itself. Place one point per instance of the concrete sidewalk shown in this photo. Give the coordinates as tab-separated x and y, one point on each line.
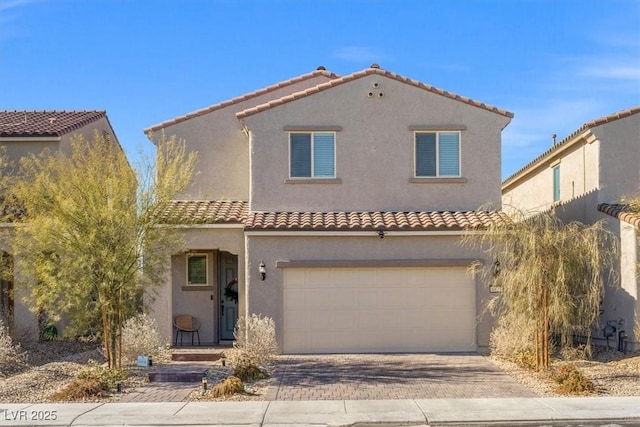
511	411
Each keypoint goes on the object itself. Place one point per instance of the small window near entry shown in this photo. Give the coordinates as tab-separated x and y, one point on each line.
437	154
312	155
556	183
197	269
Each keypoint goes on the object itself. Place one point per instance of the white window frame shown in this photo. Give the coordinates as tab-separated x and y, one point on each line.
207	275
437	175
312	133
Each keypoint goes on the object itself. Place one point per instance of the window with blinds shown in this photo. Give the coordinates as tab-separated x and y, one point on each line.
312	155
437	154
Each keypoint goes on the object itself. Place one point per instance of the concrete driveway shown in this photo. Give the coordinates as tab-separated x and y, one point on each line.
390	376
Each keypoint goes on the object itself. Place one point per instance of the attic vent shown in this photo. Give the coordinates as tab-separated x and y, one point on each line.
375	85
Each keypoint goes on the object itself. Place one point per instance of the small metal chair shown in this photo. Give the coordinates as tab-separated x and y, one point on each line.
186	323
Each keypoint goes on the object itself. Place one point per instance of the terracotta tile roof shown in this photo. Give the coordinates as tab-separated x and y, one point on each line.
359	74
621	212
319	72
586	126
44	123
206	212
389	221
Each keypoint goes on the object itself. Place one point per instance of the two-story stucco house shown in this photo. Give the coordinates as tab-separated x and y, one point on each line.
583	178
335	205
30	132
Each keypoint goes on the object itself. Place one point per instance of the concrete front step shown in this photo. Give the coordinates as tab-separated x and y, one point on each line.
178	374
186	356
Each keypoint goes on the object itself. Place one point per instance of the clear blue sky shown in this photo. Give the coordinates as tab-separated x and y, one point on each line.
555	64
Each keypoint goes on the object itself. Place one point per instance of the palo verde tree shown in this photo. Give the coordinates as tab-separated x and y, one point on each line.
550	275
89	234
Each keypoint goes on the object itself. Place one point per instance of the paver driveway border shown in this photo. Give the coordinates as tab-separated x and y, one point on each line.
390	376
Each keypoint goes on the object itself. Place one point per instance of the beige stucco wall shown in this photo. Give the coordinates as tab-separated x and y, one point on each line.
578	176
222	148
169	299
375	150
619	159
266	297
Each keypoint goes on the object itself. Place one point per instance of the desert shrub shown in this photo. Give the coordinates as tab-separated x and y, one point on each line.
524	358
256	338
570	380
227	387
12	358
510	337
78	390
575	352
140	336
105	377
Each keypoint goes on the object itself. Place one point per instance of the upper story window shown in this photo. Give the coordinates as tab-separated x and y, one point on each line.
197	269
437	154
556	183
312	154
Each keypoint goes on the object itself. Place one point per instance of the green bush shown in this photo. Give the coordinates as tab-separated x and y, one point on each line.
107	378
570	380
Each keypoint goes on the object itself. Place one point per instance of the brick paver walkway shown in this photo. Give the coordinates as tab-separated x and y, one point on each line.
160	392
390	376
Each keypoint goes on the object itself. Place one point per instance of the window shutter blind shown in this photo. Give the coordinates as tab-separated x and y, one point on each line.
556	183
425	154
323	155
300	154
449	153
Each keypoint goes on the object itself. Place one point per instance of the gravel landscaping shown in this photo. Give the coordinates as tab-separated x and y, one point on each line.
52	365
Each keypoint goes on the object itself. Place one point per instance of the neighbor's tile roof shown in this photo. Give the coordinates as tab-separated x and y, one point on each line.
44	123
206	212
355	221
319	72
359	74
621	212
588	125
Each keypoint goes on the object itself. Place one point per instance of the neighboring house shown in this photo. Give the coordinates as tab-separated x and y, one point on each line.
30	132
335	205
583	178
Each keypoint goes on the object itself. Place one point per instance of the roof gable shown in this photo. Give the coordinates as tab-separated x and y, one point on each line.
44	123
587	126
366	72
317	73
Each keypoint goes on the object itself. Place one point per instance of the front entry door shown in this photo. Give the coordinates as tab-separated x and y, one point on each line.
228	294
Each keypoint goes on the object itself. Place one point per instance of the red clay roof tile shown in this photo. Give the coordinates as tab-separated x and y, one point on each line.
205	212
622	212
259	92
44	123
362	221
359	74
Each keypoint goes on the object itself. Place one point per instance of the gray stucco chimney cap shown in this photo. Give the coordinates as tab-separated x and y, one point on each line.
374	65
321	68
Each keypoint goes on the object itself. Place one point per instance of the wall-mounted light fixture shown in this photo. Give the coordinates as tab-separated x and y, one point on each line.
496	268
262	270
381	234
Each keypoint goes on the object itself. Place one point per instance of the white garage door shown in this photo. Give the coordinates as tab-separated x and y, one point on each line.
345	310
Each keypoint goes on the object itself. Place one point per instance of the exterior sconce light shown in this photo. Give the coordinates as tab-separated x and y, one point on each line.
262	270
381	234
496	268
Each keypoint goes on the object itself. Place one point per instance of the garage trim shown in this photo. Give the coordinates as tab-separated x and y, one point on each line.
356	263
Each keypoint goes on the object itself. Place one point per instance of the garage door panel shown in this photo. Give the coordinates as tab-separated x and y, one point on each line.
378	310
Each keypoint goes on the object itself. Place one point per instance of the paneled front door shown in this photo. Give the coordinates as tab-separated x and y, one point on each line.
228	294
